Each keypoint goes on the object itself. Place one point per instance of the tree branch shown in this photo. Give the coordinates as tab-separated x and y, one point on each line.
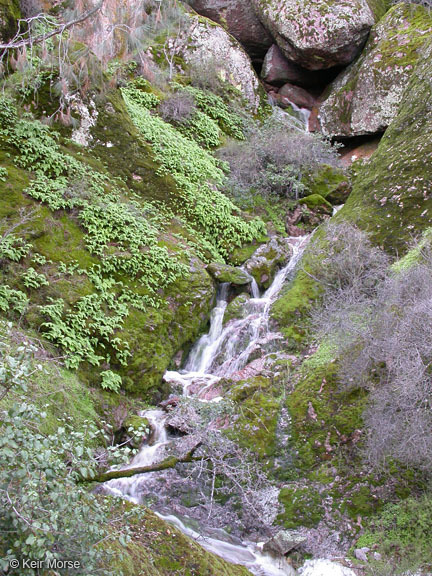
20	43
165	464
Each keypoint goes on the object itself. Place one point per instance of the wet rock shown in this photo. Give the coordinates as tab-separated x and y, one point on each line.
366	97
183	419
240	20
231	274
236	308
317	34
267	260
294	94
285	542
254	368
170	404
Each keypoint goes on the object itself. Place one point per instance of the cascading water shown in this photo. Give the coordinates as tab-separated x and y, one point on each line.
221	353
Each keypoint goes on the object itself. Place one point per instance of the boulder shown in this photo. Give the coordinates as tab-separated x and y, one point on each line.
285	541
296	95
266	261
365	98
277	70
317	34
317	203
231	274
9	14
236	309
206	44
240	20
391	196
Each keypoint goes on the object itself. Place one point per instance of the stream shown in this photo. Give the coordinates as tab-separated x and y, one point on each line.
222	353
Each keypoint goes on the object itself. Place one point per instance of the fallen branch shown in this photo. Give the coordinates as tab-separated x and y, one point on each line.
166	464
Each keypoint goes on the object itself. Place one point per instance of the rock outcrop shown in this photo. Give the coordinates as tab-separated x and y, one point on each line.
365	98
391	195
267	260
317	34
240	20
208	45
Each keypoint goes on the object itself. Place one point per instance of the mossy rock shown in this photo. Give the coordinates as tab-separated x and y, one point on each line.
331	183
230	274
391	193
9	13
255	426
236	308
301	507
324	416
157	548
267	260
292	307
365	98
317	203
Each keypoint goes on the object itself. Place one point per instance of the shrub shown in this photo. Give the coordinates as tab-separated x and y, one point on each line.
273	158
381	322
177	108
45	513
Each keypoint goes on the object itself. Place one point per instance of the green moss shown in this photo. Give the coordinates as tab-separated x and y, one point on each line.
9	14
291	309
236	308
159	549
324	417
391	193
257	404
301	507
328	182
317	203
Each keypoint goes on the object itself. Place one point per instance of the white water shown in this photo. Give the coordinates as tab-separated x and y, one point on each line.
222	352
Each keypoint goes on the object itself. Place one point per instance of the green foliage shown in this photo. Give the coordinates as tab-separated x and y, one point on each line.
13	248
11	299
32	279
110	381
3	174
216	109
196	173
90	326
401	532
41	504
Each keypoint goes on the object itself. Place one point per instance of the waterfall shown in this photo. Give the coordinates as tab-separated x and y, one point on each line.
222	352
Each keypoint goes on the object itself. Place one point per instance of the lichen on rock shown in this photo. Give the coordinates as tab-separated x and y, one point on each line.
365	98
318	34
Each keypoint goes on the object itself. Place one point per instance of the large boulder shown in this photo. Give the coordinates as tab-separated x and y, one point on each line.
318	34
240	21
9	14
208	46
365	98
278	70
391	195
